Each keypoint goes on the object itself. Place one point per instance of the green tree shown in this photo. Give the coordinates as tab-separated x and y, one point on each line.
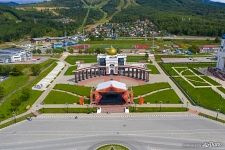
2	92
146	56
39	51
36	69
15	103
194	49
70	50
217	39
25	94
16	71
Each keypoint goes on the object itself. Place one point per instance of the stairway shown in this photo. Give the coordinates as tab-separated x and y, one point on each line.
113	108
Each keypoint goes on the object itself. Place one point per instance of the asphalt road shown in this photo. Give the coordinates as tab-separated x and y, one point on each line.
138	132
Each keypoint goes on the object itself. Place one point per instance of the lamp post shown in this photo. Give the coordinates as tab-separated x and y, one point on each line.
14	116
67	109
187	105
160	105
217	113
88	108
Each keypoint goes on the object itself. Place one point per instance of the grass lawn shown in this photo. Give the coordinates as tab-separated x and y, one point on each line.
187	72
112	147
136	59
211	81
5	107
166	97
204	97
192	66
195	80
221	89
56	97
154	109
153	69
13	82
70	70
85	58
79	90
69	110
147	88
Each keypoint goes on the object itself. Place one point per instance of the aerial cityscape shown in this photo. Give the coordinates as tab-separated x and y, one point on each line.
112	74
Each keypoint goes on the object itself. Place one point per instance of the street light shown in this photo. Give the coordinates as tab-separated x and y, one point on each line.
67	108
160	105
14	116
217	113
187	105
88	109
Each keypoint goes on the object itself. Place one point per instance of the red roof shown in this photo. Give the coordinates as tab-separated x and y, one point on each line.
81	46
141	46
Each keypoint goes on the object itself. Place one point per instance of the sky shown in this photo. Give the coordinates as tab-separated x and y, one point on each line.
31	1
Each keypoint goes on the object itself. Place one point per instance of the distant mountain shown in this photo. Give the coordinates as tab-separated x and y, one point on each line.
9	4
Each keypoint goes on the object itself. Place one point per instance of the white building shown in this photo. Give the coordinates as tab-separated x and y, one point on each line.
12	55
221	55
111	61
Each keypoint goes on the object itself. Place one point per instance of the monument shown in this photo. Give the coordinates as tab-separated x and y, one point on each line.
221	55
114	64
111	60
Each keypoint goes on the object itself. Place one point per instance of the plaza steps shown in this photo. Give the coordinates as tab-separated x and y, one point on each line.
113	108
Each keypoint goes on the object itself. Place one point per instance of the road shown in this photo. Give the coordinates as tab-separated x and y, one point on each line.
169	131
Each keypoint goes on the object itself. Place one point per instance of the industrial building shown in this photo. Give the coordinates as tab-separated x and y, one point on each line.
13	55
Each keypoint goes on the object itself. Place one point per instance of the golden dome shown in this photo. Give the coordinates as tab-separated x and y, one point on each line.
111	51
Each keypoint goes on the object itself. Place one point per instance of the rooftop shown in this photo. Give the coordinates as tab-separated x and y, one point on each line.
111	83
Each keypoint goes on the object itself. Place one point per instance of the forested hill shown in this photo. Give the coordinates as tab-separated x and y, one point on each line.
183	17
54	18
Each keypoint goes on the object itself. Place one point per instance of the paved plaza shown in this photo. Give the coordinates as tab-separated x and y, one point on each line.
136	131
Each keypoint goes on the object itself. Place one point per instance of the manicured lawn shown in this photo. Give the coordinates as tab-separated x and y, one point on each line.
55	97
70	70
204	97
192	66
210	80
221	89
69	110
84	58
166	97
136	59
195	80
153	69
112	147
79	90
147	88
153	109
187	72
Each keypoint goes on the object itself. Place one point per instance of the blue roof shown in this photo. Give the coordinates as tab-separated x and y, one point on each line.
223	37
